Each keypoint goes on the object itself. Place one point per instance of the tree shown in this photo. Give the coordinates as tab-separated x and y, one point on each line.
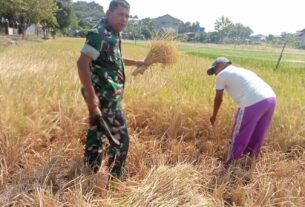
239	33
17	11
223	26
213	37
188	27
64	14
47	19
202	37
74	22
230	32
270	38
183	28
194	27
147	28
133	28
292	39
273	40
4	7
139	28
27	12
85	16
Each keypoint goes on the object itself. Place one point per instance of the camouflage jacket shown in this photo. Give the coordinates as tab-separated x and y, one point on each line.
103	45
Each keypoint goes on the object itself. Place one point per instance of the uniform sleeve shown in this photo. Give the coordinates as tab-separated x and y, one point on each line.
92	45
220	83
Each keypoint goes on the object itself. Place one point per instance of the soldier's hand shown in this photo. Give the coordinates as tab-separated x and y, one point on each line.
93	103
95	117
140	63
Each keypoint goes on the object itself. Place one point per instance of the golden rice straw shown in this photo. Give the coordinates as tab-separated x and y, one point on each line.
162	50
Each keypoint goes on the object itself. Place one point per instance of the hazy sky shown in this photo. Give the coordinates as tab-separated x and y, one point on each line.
263	16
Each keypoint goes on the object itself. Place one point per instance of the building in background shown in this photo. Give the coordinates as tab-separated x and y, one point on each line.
167	23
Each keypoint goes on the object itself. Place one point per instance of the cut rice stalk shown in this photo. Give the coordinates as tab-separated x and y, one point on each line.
162	51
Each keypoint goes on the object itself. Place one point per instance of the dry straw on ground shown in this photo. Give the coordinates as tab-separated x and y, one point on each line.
168	187
43	119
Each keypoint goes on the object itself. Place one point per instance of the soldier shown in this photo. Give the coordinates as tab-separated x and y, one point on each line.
101	72
256	101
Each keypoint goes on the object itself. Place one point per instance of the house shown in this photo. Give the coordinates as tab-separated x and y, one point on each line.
167	23
3	25
8	27
35	30
92	20
256	39
301	34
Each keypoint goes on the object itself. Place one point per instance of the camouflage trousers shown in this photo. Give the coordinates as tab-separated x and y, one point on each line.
112	125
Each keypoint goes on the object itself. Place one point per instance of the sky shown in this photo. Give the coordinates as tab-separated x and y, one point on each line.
262	16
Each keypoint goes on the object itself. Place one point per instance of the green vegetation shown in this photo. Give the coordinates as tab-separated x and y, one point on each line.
83	10
251	56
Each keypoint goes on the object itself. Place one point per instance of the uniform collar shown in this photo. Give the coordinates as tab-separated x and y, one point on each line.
108	26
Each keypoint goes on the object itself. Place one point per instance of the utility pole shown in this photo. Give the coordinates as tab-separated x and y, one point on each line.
280	58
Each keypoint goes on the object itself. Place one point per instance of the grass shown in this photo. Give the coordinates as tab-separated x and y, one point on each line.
173	152
252	56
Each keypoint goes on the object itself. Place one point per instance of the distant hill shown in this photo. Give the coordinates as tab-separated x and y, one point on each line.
89	13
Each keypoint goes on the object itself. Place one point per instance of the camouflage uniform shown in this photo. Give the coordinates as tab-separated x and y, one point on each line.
103	45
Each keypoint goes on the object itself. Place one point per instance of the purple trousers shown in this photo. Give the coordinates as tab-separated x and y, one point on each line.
250	127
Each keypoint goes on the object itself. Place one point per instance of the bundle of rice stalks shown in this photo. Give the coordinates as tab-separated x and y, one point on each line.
168	187
162	50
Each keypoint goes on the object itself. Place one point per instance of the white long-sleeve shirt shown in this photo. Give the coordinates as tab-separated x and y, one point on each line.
244	86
